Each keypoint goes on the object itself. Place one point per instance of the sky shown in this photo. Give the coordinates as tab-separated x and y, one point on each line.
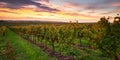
58	10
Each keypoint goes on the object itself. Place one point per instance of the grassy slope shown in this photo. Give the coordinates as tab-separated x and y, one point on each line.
24	50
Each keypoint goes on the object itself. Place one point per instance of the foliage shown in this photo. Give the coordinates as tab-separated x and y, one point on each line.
110	42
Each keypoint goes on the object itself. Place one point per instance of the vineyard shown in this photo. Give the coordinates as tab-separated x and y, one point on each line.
71	41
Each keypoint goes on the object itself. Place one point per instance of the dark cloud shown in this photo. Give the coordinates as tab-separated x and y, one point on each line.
16	4
103	4
50	10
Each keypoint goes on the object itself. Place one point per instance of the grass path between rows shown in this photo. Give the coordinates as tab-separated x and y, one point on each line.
24	50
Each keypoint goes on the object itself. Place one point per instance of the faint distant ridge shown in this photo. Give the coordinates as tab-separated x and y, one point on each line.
40	22
23	21
13	22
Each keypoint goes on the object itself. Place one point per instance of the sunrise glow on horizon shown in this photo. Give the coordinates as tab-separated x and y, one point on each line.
58	10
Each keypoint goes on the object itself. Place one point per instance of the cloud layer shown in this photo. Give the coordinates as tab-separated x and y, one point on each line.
16	4
58	9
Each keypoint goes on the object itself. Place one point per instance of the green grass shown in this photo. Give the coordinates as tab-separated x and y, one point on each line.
2	47
25	50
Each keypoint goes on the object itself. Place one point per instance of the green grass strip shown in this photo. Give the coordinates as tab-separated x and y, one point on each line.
25	50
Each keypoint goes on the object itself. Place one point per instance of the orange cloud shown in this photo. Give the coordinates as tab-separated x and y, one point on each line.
118	10
71	5
77	14
31	14
116	4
